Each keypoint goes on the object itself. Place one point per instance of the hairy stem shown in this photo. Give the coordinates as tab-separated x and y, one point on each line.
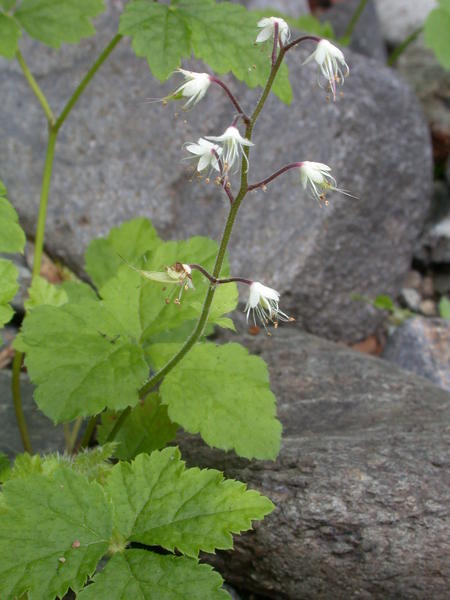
36	89
216	281
20	417
88	433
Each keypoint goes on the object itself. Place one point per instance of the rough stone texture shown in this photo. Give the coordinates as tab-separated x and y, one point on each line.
399	18
433	246
44	436
293	8
361	485
431	83
367	38
423	347
119	158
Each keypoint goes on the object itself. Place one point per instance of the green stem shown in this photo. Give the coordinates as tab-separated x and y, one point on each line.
36	89
86	80
54	127
88	432
20	417
42	215
393	57
201	324
354	20
74	434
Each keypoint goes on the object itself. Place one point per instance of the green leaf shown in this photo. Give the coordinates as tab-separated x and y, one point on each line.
53	532
221	34
8	289
146	428
149	576
437	32
12	237
159	34
130	241
82	359
444	308
148	307
384	302
9	40
309	24
77	291
56	22
43	292
7	4
223	393
5	467
158	502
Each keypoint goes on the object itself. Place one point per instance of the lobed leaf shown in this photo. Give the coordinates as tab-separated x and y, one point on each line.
158	502
149	576
53	531
43	292
12	237
56	22
145	429
437	28
9	38
8	289
130	241
221	34
82	359
223	393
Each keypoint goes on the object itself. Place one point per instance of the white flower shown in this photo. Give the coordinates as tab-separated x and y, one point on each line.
316	178
331	62
232	142
194	88
207	152
263	302
267	26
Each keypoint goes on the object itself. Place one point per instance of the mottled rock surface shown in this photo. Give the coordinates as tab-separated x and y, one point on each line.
118	158
399	18
361	486
44	436
367	37
423	347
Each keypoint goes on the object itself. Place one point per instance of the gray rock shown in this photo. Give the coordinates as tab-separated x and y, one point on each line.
428	308
410	298
401	17
361	486
119	158
431	83
44	436
433	245
423	347
442	282
413	280
367	38
293	8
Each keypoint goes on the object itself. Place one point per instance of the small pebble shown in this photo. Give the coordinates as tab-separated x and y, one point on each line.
413	280
428	308
427	287
410	298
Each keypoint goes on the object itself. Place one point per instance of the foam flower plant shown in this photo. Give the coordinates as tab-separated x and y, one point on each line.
317	180
232	142
332	64
194	88
268	26
263	303
206	152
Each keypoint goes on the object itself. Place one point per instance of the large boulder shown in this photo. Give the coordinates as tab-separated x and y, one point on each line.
360	486
118	157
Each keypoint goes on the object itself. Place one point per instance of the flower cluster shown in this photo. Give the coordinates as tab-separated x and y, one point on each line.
223	152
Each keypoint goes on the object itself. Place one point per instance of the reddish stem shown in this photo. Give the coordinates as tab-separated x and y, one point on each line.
299	40
216	281
275	43
231	96
295	165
